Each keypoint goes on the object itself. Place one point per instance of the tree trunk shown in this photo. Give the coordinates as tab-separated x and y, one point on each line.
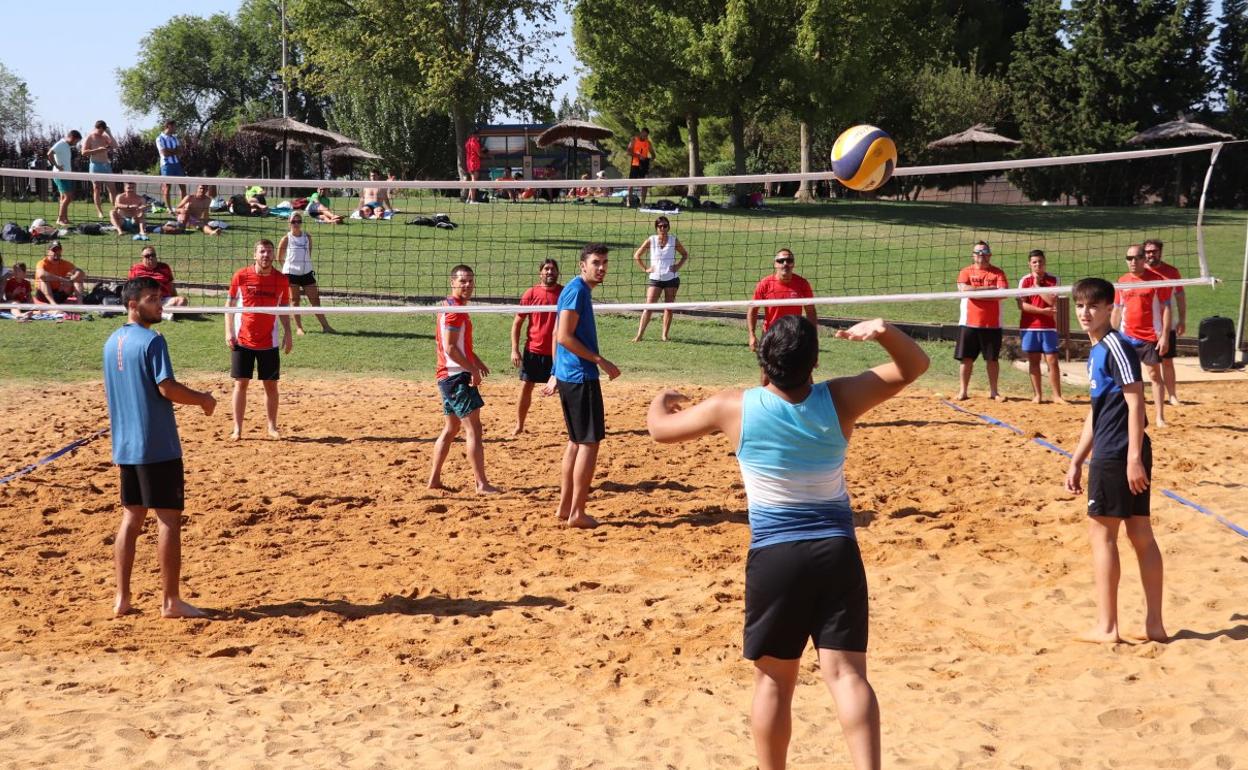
463	126
695	151
803	190
737	129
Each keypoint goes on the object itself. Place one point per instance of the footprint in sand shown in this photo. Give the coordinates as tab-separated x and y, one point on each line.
1120	718
1207	726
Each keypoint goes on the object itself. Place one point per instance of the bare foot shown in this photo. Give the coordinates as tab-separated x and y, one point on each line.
487	489
582	521
1159	423
637	339
329	330
961	397
516	431
1174	401
299	330
236	434
123	607
176	608
274	432
1096	636
1060	400
999	397
1037	399
435	484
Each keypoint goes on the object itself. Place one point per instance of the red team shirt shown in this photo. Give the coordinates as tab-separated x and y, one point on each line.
982	313
17	291
1168	271
462	322
248	288
162	274
1033	320
1141	308
541	340
772	287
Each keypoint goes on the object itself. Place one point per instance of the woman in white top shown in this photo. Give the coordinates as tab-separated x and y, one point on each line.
295	253
663	271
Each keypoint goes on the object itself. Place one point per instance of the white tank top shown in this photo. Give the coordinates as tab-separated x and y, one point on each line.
298	255
662	258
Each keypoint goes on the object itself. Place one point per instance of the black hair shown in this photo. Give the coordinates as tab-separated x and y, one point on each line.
462	268
73	134
789	351
19	266
549	261
1037	253
101	124
1096	290
135	287
594	248
662	221
1155	242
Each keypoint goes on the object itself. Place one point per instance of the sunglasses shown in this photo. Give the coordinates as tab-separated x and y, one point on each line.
663	226
785	261
982	253
1136	258
296	221
1151	251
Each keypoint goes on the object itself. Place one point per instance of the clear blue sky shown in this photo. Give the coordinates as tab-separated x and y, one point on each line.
102	37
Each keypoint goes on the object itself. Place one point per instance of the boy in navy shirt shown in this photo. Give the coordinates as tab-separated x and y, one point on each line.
141	391
1121	466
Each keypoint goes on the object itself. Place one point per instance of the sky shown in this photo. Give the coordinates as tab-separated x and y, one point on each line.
75	92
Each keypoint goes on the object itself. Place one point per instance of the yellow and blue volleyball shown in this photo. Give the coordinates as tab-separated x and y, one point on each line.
863	158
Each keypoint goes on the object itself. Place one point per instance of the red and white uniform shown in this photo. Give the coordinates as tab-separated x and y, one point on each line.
541	340
248	288
463	323
1034	320
1170	272
162	274
772	287
982	313
1142	307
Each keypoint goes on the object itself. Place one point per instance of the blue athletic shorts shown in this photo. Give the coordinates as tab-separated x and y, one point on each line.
1039	340
100	168
64	186
459	397
172	169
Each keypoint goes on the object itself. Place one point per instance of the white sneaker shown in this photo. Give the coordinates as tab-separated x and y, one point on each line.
168	316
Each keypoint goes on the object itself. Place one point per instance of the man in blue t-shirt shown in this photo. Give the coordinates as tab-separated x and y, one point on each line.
141	391
576	378
1120	470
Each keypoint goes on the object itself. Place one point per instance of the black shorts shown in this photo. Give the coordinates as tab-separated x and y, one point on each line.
670	283
974	342
267	364
1146	351
1174	343
306	279
583	411
808	589
535	367
1108	491
640	170
153	485
58	297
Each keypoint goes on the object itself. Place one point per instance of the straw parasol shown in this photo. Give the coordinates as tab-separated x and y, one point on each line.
351	152
571	134
977	136
289	128
1177	132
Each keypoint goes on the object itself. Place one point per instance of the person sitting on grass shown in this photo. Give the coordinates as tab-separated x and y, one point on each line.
57	281
129	212
16	288
377	199
149	267
255	199
192	213
318	207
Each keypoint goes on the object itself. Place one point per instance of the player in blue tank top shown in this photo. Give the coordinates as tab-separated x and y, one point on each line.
1120	470
804	577
141	392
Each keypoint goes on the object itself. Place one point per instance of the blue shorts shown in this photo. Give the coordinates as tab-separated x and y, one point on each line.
172	169
459	397
64	186
1039	340
100	168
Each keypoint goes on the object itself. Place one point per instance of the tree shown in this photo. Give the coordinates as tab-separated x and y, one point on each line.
448	56
17	110
1230	55
415	143
1188	79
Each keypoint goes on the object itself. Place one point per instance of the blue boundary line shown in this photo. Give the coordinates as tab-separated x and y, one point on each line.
1053	448
58	453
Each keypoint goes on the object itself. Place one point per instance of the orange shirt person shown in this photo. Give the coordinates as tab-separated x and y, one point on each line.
252	337
640	153
979	322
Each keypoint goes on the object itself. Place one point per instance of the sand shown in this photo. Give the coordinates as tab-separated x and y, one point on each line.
366	622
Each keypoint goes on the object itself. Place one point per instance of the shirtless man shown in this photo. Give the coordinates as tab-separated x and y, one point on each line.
192	211
95	147
374	201
129	206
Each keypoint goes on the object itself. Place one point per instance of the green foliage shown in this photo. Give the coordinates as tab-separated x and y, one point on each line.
17	109
415	144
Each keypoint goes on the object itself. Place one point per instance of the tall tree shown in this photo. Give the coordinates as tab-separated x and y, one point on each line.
17	110
414	143
449	56
1188	78
1230	55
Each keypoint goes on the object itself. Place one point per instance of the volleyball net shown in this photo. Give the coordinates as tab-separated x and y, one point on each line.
904	243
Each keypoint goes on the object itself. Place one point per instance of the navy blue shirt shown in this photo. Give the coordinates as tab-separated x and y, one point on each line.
136	360
1112	363
570	367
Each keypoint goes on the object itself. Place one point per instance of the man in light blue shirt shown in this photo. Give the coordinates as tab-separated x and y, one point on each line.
170	162
141	392
61	156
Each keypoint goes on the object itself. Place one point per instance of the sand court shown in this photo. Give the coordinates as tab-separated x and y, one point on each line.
363	621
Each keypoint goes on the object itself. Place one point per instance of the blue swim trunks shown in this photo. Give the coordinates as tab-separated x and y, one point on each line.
100	168
1039	340
172	169
64	186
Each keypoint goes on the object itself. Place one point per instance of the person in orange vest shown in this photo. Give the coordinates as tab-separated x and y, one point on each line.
640	153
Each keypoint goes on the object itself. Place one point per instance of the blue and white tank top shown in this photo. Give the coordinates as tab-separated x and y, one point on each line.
298	255
662	259
792	459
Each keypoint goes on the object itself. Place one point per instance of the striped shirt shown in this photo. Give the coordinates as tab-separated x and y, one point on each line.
169	143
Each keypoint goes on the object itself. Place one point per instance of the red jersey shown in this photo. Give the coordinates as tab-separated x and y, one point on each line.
162	274
1034	320
982	313
462	322
248	288
17	291
1142	308
1170	272
772	287
541	336
472	154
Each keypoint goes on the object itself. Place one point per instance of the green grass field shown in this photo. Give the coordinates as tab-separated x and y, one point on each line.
842	248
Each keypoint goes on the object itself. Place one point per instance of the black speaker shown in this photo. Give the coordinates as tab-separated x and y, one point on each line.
1217	344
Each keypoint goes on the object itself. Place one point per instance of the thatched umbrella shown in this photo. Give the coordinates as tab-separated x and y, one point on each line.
1176	132
350	154
289	128
575	130
977	136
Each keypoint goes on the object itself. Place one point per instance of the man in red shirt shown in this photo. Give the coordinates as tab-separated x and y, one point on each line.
539	350
459	375
473	150
1037	325
16	289
783	284
1143	316
1178	326
148	267
979	323
252	337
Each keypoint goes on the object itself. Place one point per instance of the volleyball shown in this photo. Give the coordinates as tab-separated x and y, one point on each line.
863	158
